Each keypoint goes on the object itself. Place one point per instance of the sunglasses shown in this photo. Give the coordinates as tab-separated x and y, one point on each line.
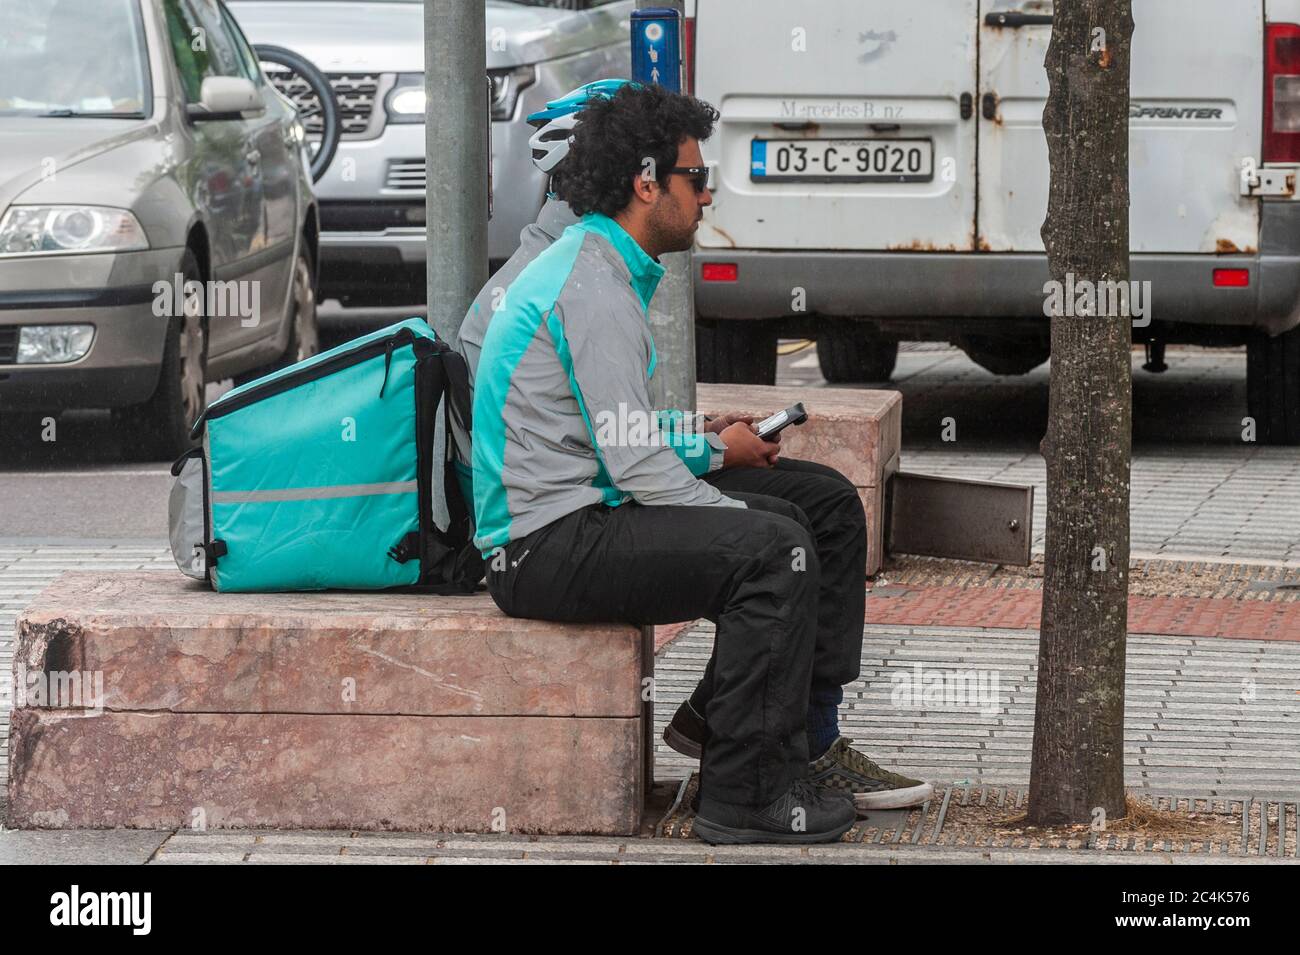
699	176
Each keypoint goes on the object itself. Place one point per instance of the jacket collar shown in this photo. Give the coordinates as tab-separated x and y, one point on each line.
645	272
555	217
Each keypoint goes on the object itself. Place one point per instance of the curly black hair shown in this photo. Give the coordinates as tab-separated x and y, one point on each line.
615	136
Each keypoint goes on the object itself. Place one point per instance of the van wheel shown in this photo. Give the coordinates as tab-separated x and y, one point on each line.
851	353
1003	355
1273	386
736	351
159	429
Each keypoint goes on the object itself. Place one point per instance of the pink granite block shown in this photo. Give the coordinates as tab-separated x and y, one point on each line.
852	430
165	643
855	431
165	770
873	503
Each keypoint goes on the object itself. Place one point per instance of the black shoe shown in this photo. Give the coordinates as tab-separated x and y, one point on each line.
805	813
686	731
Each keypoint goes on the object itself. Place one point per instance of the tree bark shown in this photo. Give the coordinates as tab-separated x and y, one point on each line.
1078	751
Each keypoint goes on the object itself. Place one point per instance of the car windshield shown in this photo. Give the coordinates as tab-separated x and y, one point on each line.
72	58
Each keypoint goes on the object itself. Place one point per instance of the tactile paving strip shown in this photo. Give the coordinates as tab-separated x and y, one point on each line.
1147	578
1237	827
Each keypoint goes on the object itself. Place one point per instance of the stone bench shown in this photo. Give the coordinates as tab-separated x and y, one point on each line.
321	711
857	432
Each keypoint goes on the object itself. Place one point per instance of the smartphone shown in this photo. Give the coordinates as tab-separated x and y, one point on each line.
769	428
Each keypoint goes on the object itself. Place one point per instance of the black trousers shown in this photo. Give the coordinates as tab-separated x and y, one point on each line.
755	572
829	507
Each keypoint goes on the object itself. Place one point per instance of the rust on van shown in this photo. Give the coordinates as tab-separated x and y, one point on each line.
916	245
808	128
723	232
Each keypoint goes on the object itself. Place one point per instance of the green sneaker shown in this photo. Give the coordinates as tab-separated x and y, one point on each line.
844	768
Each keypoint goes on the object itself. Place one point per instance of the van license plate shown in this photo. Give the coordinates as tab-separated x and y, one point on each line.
841	160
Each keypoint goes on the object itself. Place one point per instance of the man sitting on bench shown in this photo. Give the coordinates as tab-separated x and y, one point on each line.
581	521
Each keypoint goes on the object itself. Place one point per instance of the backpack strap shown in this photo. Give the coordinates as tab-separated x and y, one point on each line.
458	390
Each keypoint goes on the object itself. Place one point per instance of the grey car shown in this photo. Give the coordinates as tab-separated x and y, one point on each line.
372	195
157	224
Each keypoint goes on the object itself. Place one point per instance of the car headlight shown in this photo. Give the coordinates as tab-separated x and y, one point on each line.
405	101
53	344
506	87
51	230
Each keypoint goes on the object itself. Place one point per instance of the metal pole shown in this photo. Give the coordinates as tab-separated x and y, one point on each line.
672	313
457	157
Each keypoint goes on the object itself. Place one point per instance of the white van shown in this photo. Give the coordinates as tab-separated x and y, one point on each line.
882	175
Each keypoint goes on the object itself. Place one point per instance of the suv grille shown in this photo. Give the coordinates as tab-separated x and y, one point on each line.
355	92
405	174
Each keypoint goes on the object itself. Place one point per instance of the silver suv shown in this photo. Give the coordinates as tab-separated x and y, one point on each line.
157	224
372	196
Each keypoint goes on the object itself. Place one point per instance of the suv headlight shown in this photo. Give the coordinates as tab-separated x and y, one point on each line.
405	101
51	230
506	87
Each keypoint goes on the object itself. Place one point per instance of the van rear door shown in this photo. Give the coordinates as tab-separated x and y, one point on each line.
1196	116
842	123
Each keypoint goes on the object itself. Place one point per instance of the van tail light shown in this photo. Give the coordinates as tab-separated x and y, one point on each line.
1282	93
688	54
1232	278
719	272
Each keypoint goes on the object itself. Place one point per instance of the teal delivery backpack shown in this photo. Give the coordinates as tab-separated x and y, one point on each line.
344	471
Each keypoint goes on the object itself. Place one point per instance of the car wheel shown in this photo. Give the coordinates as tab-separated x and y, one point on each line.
304	327
1273	386
160	427
852	353
304	330
736	351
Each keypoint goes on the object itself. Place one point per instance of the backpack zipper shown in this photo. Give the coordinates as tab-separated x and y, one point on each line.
292	380
388	362
424	428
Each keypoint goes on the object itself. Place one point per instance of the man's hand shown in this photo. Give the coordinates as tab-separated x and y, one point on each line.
722	422
746	449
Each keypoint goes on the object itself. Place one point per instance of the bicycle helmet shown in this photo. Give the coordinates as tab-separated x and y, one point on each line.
554	124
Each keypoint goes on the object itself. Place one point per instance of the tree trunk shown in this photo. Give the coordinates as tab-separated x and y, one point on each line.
1078	755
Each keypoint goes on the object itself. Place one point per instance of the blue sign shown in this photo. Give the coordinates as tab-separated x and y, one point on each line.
657	47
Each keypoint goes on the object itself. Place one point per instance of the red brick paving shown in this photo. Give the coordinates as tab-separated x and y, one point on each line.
667	633
1019	609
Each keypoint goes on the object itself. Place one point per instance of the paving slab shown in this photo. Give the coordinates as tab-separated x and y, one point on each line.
79	846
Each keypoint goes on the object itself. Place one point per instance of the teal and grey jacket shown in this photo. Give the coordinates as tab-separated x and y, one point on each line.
554	217
562	412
